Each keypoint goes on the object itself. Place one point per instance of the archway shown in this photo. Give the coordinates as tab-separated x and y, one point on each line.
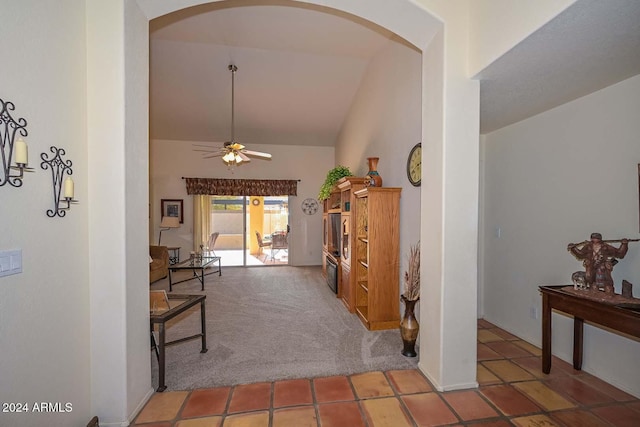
449	362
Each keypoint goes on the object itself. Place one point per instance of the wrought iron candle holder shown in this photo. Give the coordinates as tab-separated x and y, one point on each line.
9	128
58	168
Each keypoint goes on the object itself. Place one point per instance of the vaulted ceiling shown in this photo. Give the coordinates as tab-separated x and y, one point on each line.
298	71
299	68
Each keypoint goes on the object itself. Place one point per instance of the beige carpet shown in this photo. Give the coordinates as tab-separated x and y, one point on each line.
271	323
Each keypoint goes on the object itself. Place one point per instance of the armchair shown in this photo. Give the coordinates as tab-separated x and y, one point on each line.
159	266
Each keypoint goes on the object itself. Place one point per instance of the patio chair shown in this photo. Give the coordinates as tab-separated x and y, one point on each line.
212	241
278	243
262	243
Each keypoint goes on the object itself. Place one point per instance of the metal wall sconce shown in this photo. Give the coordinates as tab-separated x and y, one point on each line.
8	130
58	168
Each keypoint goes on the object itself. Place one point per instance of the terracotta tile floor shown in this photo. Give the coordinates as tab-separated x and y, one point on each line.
513	392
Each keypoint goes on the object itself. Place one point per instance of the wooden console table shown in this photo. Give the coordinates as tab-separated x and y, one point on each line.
625	319
179	304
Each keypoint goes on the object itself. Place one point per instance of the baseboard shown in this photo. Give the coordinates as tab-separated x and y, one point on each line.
461	386
134	413
452	387
116	424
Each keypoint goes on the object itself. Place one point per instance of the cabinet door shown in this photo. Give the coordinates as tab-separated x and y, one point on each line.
346	240
324	263
325	232
347	298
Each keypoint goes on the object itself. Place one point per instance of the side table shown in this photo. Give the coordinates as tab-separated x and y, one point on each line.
181	303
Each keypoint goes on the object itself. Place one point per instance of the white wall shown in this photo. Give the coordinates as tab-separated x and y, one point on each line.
385	121
554	179
136	141
172	160
44	311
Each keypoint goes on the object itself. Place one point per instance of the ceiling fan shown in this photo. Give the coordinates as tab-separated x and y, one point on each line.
232	152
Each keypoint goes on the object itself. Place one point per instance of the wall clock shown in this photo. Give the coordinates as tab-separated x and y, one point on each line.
414	165
256	202
309	206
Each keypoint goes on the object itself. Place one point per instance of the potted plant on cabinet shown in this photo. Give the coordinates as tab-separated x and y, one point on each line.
332	177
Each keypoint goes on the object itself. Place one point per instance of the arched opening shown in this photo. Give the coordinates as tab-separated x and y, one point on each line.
408	21
128	343
190	50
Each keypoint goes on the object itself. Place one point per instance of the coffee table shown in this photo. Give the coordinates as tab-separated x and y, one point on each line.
196	265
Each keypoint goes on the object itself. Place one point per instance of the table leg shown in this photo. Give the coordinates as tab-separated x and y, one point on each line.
154	344
578	329
201	278
204	328
170	283
546	334
161	358
219	267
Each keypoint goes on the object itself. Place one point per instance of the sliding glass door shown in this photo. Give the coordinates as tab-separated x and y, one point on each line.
227	219
253	230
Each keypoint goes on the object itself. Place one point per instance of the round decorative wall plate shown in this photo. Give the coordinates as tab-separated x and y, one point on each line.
309	206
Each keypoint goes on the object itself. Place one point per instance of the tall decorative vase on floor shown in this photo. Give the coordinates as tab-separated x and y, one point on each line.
375	180
409	328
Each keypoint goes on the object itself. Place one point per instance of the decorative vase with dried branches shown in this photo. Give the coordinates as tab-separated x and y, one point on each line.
409	326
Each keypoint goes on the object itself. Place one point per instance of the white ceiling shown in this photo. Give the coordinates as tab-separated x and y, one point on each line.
300	67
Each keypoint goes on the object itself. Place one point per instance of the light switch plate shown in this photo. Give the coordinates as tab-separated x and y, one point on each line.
10	262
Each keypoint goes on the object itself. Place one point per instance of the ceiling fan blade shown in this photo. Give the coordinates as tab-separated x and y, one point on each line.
257	153
215	145
243	157
211	150
213	155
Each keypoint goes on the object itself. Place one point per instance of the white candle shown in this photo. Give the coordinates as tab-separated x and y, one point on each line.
22	156
68	188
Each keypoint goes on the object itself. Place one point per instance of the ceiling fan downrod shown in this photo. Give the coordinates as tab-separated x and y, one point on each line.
233	70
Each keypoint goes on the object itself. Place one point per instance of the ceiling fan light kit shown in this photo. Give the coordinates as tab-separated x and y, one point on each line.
232	152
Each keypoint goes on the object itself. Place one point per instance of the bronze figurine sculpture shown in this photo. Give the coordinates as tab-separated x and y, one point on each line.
598	258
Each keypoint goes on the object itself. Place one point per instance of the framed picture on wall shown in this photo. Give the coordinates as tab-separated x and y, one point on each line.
172	207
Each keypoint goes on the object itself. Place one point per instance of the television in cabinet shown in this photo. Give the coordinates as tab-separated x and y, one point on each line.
331	241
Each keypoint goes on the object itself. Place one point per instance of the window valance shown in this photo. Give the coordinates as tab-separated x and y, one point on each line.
242	187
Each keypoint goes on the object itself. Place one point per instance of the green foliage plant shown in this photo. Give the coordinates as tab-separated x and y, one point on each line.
332	177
